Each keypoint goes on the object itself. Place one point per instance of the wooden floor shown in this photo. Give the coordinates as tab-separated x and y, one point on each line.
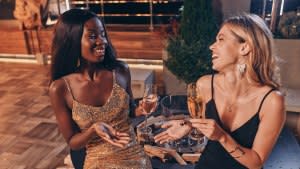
29	138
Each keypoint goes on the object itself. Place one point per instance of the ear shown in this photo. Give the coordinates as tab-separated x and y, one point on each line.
245	49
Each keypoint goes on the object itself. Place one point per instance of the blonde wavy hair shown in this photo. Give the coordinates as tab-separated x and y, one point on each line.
262	62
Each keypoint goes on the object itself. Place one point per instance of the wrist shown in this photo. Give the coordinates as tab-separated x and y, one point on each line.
139	110
92	129
223	138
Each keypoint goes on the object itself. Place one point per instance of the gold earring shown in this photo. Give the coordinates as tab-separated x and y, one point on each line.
241	68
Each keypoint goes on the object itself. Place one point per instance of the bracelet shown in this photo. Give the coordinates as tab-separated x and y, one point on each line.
237	148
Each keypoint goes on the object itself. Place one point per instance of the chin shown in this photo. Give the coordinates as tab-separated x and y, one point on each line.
100	58
215	68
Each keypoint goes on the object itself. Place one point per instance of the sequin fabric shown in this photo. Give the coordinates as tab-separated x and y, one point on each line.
100	154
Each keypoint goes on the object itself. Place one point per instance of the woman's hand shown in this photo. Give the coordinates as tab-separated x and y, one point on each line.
139	110
209	128
107	133
176	129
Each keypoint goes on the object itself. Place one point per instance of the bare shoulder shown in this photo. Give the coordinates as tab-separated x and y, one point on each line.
204	86
275	98
204	82
122	68
273	105
57	87
122	65
123	74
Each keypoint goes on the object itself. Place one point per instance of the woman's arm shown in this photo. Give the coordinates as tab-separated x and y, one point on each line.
135	109
272	119
58	94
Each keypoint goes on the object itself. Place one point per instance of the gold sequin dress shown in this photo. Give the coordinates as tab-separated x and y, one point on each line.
99	153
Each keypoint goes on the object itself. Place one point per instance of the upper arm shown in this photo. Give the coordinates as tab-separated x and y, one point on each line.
125	79
203	90
204	87
272	118
128	79
57	93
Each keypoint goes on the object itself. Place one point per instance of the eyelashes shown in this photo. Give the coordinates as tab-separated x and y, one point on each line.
93	35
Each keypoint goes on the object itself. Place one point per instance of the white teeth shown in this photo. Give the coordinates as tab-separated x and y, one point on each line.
214	56
100	51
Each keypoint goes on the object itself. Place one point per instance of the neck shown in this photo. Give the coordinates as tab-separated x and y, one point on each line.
90	70
235	84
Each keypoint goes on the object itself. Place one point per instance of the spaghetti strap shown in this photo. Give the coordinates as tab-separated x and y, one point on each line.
262	101
69	88
212	86
114	76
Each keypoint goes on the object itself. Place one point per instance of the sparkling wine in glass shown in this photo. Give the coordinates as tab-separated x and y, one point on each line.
149	102
194	103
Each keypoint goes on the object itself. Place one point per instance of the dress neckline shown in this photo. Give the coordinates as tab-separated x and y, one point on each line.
212	101
100	106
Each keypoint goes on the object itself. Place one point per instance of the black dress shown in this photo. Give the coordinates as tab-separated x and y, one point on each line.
214	155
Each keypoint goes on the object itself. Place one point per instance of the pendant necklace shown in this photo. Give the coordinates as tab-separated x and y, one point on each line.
230	106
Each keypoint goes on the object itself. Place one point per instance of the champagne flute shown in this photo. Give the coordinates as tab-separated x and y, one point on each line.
149	103
194	103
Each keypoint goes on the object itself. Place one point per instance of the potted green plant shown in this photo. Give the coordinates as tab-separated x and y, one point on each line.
289	25
287	47
188	55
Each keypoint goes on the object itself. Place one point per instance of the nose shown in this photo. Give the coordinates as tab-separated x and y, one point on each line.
212	46
101	41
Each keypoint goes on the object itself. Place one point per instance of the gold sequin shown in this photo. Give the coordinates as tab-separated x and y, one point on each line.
100	154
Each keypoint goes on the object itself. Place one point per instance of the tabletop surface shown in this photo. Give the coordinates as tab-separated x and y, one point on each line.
285	155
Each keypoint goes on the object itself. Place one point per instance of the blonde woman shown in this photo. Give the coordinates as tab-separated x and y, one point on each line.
244	108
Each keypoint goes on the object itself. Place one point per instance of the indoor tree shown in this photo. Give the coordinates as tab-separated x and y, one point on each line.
188	51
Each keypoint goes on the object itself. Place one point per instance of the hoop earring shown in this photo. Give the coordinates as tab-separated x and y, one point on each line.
241	68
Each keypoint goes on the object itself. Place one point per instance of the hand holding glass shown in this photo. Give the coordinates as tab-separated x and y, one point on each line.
194	103
149	103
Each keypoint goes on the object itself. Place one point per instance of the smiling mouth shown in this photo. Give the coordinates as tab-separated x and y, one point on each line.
214	57
99	51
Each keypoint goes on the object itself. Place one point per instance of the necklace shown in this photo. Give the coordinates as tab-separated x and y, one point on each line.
230	106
